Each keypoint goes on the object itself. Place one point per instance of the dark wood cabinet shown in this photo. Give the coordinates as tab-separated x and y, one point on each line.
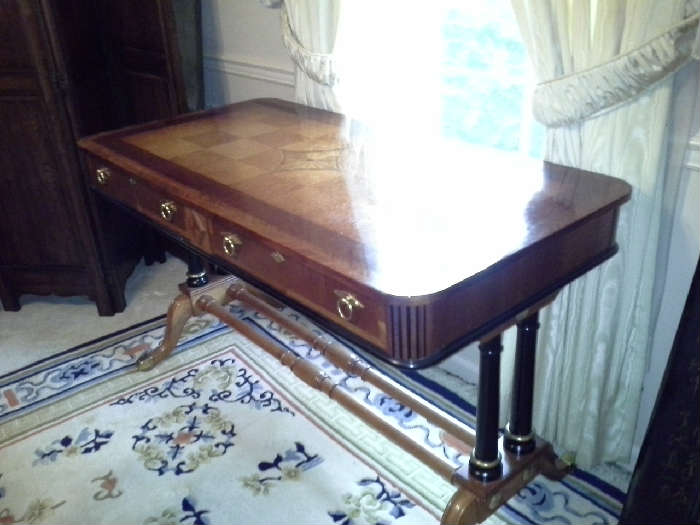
70	68
665	486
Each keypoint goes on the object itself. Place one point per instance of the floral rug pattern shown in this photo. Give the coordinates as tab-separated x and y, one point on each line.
221	433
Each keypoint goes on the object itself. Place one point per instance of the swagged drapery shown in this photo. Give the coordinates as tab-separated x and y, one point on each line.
571	98
605	93
308	31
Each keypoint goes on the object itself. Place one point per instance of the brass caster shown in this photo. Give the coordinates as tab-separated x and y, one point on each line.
147	361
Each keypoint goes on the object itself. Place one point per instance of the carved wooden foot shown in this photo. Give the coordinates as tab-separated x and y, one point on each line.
179	312
555	468
181	309
464	509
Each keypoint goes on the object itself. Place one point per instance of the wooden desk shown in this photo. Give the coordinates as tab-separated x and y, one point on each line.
409	245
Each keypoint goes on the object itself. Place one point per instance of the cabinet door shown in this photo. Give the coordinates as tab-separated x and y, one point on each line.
79	55
39	227
70	68
144	55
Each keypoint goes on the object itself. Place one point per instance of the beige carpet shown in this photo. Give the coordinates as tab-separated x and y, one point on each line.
46	325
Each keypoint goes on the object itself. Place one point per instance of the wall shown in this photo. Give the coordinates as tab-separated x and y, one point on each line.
244	56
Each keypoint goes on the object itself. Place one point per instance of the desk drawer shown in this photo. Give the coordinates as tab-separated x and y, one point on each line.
129	190
169	213
162	209
294	278
172	214
113	182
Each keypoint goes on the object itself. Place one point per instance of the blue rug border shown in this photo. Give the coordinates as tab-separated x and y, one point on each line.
441	390
603	486
216	330
83	345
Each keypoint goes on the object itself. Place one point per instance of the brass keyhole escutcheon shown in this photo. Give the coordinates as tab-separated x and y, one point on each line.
232	244
346	305
103	175
167	210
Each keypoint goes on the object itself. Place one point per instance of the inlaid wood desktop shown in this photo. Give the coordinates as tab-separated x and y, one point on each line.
431	245
406	243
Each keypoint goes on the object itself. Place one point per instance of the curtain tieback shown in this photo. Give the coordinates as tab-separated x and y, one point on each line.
318	66
581	95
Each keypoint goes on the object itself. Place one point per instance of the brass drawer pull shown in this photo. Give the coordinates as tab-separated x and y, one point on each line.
346	304
277	257
167	210
103	175
232	244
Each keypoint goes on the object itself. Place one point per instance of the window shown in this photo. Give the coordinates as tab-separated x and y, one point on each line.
458	67
486	82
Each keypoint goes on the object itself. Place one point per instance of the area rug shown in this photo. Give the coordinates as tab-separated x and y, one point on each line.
222	433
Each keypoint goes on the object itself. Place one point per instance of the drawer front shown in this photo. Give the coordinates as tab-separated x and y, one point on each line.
161	208
172	214
337	301
113	182
169	213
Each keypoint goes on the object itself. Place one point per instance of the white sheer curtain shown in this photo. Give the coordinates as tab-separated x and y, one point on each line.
606	94
330	40
309	30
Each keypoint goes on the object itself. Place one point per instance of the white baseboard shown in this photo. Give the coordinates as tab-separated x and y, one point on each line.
248	69
693	157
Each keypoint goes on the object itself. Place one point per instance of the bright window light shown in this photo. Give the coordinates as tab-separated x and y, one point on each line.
457	69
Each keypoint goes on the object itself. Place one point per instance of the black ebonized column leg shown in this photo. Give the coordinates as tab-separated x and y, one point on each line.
196	274
154	249
485	461
519	436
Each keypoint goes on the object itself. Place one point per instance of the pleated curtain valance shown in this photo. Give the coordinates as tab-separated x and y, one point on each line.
581	95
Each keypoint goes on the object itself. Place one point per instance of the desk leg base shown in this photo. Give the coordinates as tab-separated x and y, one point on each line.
554	468
181	309
464	509
179	312
476	500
